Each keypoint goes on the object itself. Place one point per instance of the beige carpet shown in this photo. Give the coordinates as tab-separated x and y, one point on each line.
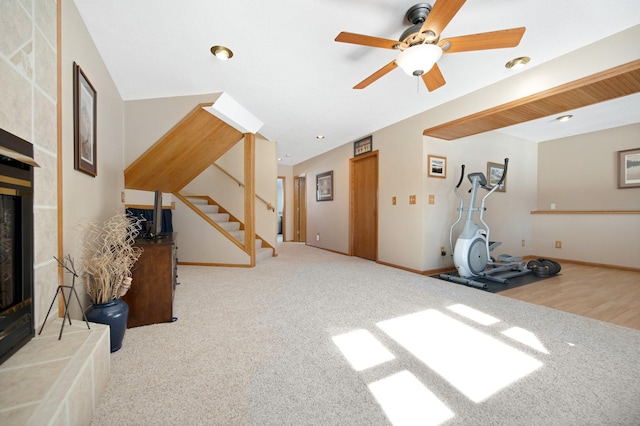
316	338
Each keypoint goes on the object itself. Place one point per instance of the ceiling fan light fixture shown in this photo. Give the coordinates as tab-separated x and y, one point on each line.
419	59
221	52
517	62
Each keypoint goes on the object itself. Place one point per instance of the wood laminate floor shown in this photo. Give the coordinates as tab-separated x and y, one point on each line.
605	294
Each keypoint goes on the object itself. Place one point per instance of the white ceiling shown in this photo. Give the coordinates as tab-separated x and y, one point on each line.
288	71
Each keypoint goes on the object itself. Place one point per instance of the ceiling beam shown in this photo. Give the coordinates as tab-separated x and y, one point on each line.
610	84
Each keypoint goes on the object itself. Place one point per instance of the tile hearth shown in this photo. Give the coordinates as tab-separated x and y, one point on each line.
56	382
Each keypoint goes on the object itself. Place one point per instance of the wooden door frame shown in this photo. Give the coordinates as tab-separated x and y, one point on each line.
352	198
297	207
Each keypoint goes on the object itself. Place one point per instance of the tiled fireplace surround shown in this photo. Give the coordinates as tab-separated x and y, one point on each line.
56	382
47	382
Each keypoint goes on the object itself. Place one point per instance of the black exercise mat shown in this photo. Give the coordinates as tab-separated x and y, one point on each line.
493	287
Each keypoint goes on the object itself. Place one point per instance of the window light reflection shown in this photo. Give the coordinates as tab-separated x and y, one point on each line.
476	364
406	401
473	314
526	337
362	349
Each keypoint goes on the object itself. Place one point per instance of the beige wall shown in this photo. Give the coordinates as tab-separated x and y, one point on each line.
580	173
87	197
329	219
28	52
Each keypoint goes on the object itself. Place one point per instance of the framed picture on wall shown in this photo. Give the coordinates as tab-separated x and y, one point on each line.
324	186
363	146
437	166
84	123
629	168
494	174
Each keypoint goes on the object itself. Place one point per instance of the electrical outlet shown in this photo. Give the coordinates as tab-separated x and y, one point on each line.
393	201
432	199
522	243
442	252
412	199
122	196
317	237
558	244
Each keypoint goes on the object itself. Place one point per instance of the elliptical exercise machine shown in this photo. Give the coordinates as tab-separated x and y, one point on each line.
472	251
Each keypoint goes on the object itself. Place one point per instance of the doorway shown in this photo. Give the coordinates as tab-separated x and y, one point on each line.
300	209
281	209
363	215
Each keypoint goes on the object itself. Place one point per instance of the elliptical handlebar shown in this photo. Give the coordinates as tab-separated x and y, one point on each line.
461	177
460	209
504	175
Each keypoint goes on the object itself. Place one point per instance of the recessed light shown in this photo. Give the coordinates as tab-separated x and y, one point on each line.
517	62
221	52
279	159
287	155
564	117
319	137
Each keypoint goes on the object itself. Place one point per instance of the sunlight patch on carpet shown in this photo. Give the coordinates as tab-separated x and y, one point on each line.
473	314
406	401
362	349
476	364
526	337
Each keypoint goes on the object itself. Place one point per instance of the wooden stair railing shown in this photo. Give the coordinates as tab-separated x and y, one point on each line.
223	231
265	202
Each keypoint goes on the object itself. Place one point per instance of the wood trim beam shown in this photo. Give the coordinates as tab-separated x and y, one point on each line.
250	196
610	84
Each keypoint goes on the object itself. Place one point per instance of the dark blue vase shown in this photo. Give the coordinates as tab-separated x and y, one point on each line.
115	315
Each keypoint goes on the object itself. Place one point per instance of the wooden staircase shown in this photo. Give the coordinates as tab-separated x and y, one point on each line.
229	225
185	152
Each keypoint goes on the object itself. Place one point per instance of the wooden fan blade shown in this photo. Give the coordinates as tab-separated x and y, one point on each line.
433	79
376	75
441	14
365	40
482	41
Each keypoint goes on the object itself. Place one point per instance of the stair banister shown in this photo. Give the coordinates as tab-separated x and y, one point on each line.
265	202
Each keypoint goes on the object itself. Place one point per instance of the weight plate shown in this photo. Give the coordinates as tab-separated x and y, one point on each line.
533	264
549	264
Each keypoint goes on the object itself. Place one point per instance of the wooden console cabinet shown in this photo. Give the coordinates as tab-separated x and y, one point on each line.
150	297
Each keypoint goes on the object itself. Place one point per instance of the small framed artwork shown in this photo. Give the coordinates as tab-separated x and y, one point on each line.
324	186
437	166
494	173
629	168
84	123
363	146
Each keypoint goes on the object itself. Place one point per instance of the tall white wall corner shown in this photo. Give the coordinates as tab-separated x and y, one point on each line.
231	112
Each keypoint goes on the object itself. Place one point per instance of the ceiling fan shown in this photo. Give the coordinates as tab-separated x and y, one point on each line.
420	45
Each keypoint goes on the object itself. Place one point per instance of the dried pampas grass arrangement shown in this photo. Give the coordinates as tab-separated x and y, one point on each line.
107	256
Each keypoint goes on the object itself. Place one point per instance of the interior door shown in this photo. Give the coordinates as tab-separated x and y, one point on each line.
364	206
300	209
